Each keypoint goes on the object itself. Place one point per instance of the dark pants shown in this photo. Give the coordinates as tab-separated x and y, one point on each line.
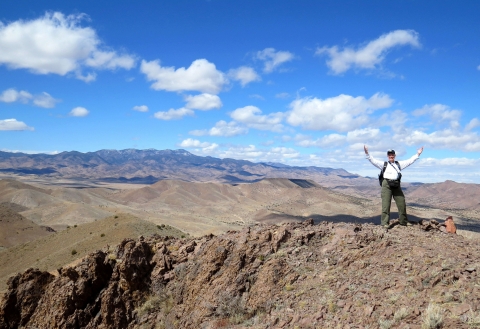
397	194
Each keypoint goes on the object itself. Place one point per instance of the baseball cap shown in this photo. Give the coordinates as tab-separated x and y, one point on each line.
390	152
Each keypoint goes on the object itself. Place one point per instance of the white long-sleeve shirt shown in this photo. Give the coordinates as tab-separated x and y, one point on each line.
390	172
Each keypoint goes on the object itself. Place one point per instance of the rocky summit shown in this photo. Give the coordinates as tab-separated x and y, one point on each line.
293	275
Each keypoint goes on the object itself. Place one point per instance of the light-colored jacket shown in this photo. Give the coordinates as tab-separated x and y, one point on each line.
390	172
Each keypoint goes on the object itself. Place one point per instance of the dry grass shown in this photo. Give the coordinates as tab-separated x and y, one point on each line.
433	317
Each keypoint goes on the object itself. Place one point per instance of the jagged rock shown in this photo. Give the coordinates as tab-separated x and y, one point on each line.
286	276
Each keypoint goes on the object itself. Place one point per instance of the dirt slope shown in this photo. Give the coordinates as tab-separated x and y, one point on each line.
56	250
294	275
16	229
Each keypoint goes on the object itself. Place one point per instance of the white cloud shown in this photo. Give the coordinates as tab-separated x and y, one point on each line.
327	141
201	76
244	74
474	123
79	112
11	95
189	142
140	108
369	56
257	96
222	129
251	116
173	114
251	153
13	124
202	147
30	151
341	113
363	135
203	102
45	100
395	120
57	44
86	78
42	100
478	67
440	113
273	59
282	95
447	138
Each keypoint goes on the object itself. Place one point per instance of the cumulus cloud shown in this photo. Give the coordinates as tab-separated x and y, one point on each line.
371	55
273	59
252	153
13	124
45	100
332	140
202	147
203	102
222	129
42	100
447	138
11	95
173	114
440	113
361	136
474	123
189	142
57	44
252	117
140	108
201	76
341	113
79	112
244	75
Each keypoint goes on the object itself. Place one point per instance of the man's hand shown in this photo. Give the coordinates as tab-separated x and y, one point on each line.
419	151
365	148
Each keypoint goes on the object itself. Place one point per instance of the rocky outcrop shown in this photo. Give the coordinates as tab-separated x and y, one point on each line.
295	275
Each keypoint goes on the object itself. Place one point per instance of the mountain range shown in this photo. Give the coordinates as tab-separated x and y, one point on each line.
150	166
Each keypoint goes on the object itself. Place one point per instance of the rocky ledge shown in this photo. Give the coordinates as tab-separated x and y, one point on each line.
295	275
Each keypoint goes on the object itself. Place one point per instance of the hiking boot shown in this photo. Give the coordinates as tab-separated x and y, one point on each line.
386	226
406	224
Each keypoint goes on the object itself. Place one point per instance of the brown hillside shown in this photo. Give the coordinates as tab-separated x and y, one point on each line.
16	229
280	276
55	250
448	195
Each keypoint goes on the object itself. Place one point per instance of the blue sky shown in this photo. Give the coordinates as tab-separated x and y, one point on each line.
297	82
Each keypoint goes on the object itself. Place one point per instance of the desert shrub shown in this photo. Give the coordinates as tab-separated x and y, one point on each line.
74	252
433	317
102	235
232	308
289	287
471	318
385	324
75	225
181	271
401	314
116	216
153	303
